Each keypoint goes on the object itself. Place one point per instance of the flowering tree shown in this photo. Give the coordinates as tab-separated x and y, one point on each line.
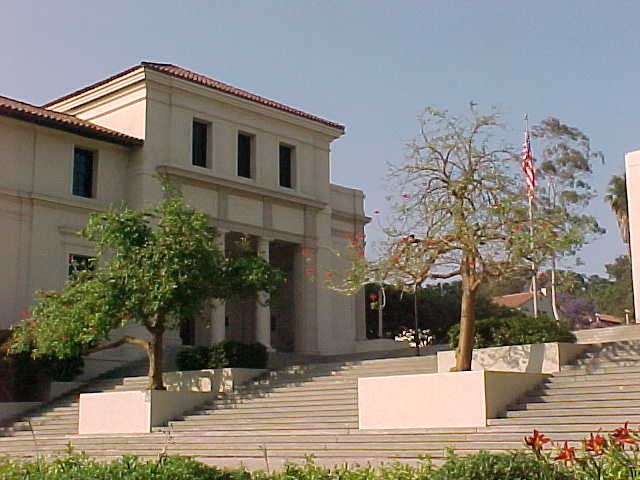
152	267
462	213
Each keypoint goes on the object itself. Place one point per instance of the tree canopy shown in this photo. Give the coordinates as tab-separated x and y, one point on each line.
153	267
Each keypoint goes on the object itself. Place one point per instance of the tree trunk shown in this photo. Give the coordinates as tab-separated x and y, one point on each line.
464	352
155	358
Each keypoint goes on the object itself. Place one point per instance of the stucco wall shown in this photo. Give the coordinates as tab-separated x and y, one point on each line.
39	216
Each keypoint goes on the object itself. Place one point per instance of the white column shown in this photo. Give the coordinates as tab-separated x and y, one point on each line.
218	308
632	163
263	311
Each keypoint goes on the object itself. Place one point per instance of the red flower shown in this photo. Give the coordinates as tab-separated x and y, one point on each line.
329	275
566	453
516	228
542	275
376	212
536	441
394	259
309	271
355	244
373	297
622	435
594	444
305	251
348	236
359	236
24	313
361	253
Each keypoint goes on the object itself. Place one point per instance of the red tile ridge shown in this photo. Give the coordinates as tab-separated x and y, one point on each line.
188	75
62	121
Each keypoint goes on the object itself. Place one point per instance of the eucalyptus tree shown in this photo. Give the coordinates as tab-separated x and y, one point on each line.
564	176
153	268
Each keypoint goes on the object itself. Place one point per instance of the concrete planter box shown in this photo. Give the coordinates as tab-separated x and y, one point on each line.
134	412
439	400
532	358
139	411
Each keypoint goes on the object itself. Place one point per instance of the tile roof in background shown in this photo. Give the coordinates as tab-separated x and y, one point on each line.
62	121
188	75
514	300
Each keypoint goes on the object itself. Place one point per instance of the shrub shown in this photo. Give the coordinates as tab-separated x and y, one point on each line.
507	466
613	456
517	329
224	354
195	358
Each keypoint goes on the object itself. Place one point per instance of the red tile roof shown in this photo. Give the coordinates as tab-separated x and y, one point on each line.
62	121
188	75
514	300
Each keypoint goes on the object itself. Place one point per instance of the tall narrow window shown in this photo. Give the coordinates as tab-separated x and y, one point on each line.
286	166
244	155
199	144
82	173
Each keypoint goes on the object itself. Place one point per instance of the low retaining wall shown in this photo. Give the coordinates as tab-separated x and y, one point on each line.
532	358
222	380
439	400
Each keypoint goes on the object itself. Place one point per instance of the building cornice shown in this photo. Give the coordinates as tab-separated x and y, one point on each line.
230	185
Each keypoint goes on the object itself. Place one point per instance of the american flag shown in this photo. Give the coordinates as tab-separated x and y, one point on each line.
527	166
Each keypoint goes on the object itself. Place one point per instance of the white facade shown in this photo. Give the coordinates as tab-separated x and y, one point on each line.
39	215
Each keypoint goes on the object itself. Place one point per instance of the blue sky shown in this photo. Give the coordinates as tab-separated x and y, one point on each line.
372	65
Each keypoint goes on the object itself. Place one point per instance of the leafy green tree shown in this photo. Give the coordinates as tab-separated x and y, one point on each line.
152	268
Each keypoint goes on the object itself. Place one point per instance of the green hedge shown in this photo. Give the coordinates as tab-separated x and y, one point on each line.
224	354
484	466
517	329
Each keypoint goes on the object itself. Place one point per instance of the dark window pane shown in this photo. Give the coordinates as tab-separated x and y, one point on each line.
79	263
285	166
199	147
244	155
82	173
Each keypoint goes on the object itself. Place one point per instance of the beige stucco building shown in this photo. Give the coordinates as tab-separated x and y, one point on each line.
256	167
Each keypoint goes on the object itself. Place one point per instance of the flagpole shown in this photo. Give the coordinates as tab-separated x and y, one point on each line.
534	282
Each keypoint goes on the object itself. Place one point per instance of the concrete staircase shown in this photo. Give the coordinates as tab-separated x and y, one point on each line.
312	409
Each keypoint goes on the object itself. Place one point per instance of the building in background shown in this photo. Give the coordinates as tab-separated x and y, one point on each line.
258	168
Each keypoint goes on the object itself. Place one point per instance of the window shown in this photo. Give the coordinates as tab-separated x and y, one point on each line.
79	263
245	154
82	173
286	166
199	144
